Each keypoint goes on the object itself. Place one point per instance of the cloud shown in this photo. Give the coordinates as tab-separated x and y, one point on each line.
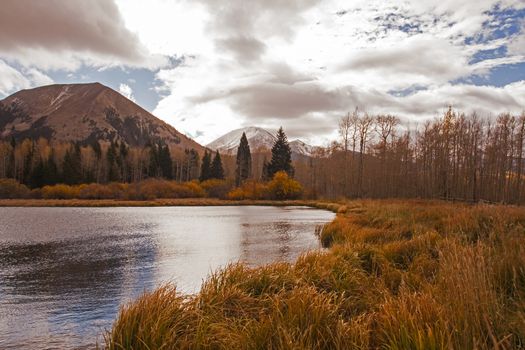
245	49
12	79
266	18
62	34
303	64
299	63
126	91
516	45
419	59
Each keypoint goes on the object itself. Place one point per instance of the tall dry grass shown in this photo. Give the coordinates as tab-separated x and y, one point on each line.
398	275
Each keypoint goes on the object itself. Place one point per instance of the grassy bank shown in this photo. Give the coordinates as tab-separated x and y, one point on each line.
399	275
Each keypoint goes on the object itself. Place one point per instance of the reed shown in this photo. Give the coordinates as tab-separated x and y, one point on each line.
398	275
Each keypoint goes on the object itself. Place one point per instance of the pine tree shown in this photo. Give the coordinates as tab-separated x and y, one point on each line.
216	170
38	174
244	161
112	161
51	170
205	166
72	167
281	156
123	161
166	164
153	169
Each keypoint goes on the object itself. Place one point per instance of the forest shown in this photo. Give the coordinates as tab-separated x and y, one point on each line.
453	157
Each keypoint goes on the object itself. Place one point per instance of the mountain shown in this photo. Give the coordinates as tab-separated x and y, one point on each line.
83	113
258	139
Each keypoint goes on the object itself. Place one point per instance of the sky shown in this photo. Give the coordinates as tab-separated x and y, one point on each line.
210	66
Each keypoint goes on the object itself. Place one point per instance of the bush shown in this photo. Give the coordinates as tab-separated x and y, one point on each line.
155	188
193	189
216	188
10	189
249	190
284	187
95	191
60	191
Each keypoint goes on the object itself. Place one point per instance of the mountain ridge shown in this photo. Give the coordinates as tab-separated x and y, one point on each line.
84	113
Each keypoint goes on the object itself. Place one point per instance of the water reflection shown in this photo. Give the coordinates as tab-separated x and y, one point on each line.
65	271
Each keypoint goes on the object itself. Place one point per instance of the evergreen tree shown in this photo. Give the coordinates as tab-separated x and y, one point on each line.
51	170
153	169
11	171
123	161
244	161
28	164
205	166
96	171
112	161
281	156
72	167
165	162
38	174
216	170
97	149
44	172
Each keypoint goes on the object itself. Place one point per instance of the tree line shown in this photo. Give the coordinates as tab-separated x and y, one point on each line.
37	163
454	157
40	163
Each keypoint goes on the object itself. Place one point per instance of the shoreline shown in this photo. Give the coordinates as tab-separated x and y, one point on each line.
161	203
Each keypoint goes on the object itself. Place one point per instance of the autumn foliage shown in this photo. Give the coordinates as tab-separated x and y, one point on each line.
281	187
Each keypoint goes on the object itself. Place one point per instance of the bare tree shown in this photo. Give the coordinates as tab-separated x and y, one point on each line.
364	127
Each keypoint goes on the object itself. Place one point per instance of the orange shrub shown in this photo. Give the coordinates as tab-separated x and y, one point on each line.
194	189
95	191
156	188
60	191
10	188
284	187
216	188
249	190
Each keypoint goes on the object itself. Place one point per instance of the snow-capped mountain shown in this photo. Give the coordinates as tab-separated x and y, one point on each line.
300	147
258	138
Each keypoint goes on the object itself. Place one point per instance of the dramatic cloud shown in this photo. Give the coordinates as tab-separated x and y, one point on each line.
420	59
267	18
300	64
244	48
56	34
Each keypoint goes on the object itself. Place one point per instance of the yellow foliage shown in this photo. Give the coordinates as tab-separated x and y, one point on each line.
216	188
60	191
284	187
249	190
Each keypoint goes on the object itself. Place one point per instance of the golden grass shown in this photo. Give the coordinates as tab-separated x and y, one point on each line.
398	275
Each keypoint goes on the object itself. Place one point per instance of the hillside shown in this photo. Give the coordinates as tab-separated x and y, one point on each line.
83	113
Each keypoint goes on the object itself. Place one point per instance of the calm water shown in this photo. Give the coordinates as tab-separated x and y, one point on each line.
64	272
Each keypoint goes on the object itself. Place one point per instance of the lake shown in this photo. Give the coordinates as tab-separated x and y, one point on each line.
64	272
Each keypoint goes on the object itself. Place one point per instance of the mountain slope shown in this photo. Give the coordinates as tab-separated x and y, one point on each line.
258	139
84	113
